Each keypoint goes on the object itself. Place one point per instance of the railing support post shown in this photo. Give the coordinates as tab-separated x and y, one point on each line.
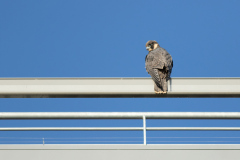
144	131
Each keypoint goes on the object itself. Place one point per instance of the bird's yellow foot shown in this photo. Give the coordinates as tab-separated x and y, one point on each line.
160	92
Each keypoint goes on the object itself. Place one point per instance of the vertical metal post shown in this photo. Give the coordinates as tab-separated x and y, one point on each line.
144	131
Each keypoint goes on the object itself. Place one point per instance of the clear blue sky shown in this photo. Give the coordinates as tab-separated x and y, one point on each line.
61	38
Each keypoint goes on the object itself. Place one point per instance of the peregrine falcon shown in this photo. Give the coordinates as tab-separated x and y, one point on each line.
159	65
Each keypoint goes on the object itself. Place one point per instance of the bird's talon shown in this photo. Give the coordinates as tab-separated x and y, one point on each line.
160	92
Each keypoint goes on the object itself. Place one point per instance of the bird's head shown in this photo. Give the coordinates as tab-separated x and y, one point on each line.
151	45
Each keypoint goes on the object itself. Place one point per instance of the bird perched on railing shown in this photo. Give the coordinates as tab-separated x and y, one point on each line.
159	65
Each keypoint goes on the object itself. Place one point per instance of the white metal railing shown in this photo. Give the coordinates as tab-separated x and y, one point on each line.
120	115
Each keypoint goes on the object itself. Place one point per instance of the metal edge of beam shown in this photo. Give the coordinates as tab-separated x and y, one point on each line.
104	78
126	95
117	88
120	147
119	128
119	115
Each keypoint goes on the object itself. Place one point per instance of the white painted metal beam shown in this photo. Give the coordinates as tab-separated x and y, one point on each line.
119	115
116	87
121	151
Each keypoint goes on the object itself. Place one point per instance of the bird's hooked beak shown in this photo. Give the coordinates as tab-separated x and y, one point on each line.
148	47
